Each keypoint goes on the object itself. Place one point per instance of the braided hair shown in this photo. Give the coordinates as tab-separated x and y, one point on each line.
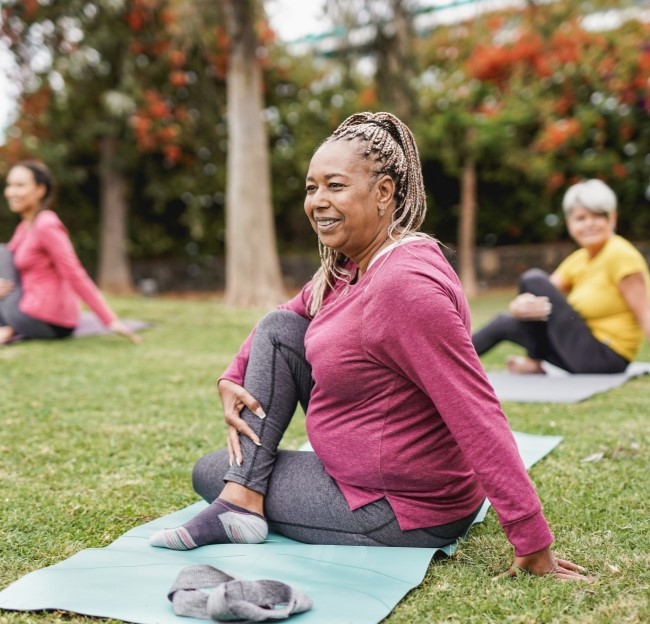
390	145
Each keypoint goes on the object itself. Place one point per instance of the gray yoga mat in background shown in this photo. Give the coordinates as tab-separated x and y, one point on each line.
558	386
90	325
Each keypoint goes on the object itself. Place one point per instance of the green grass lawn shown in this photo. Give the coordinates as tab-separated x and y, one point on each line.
98	436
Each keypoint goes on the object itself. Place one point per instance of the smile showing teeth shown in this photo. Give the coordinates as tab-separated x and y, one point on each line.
325	222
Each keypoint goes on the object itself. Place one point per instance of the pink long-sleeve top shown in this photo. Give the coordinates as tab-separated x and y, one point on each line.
52	277
401	407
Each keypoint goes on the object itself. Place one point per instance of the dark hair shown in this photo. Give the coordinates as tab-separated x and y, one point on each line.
42	175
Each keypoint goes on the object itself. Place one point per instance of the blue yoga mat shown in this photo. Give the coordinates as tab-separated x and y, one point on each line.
128	580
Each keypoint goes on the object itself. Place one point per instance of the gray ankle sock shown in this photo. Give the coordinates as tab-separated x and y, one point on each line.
220	523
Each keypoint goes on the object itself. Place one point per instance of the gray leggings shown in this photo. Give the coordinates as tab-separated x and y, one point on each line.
23	325
564	340
301	500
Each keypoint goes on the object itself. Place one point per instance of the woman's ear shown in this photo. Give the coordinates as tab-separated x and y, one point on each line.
42	191
385	190
613	218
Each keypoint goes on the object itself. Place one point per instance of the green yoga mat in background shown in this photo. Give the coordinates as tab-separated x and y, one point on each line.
128	580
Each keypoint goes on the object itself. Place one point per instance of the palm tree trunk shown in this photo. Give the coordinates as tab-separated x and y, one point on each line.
114	273
253	276
467	226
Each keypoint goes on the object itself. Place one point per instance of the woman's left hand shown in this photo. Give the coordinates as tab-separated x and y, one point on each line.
544	562
6	286
122	330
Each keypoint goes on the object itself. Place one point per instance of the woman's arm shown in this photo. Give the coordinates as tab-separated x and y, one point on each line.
55	240
559	282
635	293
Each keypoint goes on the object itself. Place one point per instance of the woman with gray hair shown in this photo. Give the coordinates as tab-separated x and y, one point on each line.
408	437
591	314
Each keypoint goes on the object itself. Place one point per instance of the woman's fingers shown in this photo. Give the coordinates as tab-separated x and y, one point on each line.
569	565
545	563
531	308
238	426
6	286
251	403
234	399
122	330
234	449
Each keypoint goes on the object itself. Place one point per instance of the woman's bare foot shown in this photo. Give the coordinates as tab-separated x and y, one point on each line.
6	334
522	365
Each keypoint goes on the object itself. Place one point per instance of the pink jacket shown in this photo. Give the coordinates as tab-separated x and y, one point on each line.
52	277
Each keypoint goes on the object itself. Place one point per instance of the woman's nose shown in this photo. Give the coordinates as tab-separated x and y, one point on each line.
319	198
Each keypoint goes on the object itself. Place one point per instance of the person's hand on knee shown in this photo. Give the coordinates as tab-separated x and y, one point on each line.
528	307
6	286
234	399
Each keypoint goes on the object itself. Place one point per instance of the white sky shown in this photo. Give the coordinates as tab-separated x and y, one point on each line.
292	19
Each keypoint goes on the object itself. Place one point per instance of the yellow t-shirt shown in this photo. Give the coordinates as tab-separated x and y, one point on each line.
594	293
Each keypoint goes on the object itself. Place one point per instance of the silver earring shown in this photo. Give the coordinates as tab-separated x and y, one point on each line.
382	212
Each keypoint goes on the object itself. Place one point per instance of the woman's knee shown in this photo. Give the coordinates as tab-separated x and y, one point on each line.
208	474
533	281
283	326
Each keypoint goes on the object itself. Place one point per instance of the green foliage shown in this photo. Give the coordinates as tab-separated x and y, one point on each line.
100	436
548	101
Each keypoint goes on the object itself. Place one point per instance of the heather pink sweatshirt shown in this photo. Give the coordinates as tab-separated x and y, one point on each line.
53	280
401	407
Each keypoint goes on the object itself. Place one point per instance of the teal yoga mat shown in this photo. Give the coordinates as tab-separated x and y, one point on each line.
128	580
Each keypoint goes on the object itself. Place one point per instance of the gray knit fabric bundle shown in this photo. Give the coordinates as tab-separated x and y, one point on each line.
203	591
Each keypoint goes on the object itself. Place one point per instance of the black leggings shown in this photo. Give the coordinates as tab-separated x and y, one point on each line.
11	315
564	340
301	500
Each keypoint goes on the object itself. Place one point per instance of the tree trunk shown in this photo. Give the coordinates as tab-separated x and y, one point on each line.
114	275
253	276
396	64
467	228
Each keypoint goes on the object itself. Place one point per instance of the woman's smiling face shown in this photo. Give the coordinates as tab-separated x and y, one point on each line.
24	195
590	230
342	199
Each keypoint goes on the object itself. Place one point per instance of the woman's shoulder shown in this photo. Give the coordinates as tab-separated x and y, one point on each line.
623	248
46	221
46	218
413	262
420	253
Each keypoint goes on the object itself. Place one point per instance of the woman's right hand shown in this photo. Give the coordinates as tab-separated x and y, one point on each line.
234	399
6	286
528	307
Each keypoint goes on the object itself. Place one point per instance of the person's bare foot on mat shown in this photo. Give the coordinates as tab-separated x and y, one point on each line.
522	365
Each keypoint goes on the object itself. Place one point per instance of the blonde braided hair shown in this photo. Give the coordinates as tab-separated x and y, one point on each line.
391	146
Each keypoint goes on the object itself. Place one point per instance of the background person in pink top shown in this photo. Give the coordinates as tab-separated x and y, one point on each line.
41	278
407	433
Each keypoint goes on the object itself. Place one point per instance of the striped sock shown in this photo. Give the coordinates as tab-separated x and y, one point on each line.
220	523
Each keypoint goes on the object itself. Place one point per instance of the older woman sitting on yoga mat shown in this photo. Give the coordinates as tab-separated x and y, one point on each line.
407	433
591	313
